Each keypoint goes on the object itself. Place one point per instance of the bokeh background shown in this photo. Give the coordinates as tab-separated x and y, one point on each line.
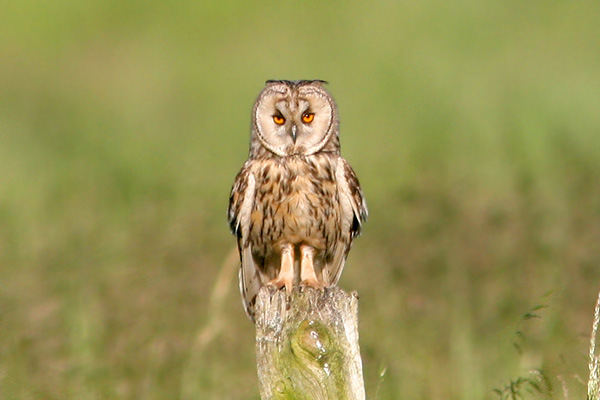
474	128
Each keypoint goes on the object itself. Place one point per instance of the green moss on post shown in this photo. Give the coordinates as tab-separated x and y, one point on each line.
307	345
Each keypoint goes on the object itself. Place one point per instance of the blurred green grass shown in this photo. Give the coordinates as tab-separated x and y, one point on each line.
474	129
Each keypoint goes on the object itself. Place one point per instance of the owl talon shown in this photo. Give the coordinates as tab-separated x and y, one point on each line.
280	284
314	284
271	288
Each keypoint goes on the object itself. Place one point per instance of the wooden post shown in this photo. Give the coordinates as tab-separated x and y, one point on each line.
307	345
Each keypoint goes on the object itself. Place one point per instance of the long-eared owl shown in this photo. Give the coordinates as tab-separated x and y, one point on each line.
296	205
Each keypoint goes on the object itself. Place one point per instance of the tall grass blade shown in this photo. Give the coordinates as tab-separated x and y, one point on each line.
594	380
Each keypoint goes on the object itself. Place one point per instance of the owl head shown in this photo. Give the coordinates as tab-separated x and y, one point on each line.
294	118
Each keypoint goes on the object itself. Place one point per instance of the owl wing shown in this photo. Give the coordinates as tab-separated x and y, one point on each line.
241	202
353	213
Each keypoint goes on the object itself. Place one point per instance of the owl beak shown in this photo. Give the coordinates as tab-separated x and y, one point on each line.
294	128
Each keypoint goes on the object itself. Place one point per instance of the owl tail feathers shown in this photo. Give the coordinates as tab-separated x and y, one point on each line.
251	281
335	268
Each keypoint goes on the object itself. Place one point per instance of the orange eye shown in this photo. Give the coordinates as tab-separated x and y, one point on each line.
308	118
279	120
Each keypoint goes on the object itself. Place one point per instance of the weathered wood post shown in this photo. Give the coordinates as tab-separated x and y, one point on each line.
307	345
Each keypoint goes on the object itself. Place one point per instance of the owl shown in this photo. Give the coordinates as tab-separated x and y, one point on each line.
296	205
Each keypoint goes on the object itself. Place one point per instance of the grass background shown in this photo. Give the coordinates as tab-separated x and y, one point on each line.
473	126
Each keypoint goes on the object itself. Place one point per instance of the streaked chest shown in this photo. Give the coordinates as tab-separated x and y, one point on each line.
296	197
298	182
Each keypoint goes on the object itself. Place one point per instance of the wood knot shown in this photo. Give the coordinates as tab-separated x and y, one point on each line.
313	339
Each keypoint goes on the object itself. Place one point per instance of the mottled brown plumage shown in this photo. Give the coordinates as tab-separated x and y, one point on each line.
296	204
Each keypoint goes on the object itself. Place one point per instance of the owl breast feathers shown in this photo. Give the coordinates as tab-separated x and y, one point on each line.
296	204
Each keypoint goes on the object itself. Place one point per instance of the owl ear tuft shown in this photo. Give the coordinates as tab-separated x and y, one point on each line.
296	83
310	82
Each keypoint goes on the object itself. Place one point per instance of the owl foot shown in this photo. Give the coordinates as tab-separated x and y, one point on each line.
307	268
286	272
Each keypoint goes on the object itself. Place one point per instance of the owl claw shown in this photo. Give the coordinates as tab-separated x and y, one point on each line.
314	284
279	283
